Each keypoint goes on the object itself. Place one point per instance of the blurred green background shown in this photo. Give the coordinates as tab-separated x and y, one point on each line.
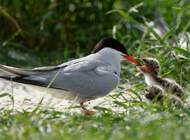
72	27
49	32
54	26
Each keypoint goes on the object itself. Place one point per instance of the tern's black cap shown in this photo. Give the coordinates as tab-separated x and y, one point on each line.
111	43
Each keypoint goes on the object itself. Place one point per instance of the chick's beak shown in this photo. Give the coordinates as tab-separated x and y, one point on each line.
131	59
145	68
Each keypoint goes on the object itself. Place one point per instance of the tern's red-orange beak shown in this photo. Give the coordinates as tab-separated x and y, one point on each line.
131	59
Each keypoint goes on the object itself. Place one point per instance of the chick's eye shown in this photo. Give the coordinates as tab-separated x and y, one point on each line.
148	62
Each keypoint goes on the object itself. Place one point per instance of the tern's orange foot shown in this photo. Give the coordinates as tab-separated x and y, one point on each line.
88	112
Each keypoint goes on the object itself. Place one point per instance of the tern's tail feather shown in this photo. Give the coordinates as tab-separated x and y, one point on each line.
7	71
20	75
26	76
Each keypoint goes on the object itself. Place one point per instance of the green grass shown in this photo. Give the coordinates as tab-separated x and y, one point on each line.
139	120
136	122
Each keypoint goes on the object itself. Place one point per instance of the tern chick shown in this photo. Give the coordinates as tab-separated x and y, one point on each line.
159	86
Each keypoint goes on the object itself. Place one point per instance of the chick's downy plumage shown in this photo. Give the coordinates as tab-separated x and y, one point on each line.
158	85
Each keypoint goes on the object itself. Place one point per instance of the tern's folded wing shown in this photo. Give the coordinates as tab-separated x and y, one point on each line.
44	76
8	71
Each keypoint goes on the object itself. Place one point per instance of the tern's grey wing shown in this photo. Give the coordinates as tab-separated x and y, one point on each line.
80	64
8	72
86	83
42	76
52	68
91	77
46	77
88	76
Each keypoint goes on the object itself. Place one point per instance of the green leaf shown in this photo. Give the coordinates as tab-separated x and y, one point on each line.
8	95
4	95
123	13
168	34
182	51
134	8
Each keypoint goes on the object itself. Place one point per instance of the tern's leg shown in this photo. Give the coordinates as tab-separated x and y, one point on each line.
85	110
